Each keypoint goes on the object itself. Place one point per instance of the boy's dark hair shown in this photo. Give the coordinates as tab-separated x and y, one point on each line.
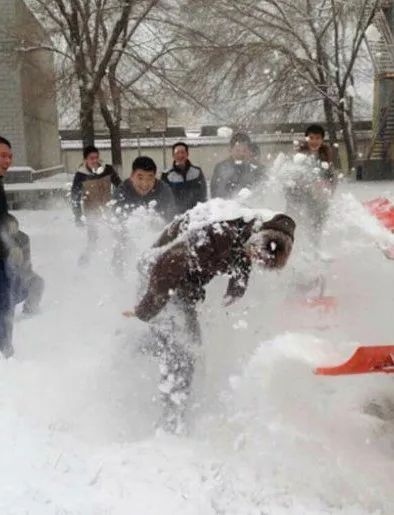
90	149
145	164
4	141
315	129
180	144
240	137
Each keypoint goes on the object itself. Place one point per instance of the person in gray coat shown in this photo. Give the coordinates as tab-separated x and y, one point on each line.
238	171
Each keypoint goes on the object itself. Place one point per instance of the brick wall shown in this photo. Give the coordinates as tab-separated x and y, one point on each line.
11	113
28	114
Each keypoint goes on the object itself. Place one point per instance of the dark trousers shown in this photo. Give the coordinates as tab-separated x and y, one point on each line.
310	214
6	312
34	291
177	338
92	234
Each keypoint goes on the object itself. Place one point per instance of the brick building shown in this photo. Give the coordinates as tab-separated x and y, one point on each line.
28	113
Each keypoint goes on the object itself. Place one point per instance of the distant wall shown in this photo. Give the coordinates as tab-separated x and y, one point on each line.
204	152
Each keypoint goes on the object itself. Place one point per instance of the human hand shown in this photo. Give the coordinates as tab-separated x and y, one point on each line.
228	300
128	314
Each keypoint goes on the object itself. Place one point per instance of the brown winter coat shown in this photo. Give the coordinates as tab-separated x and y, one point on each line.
324	156
191	262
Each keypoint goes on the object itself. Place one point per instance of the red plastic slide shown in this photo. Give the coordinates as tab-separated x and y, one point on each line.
383	210
365	360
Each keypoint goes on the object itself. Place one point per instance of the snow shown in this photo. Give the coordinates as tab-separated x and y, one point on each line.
267	436
372	33
59	181
225	132
300	158
350	91
219	210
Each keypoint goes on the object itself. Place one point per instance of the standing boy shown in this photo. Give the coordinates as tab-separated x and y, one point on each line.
6	315
237	172
90	193
142	188
187	181
309	191
5	163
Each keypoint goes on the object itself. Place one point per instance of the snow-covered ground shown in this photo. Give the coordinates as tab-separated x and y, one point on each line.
267	436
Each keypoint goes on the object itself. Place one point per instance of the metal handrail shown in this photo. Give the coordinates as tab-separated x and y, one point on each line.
381	127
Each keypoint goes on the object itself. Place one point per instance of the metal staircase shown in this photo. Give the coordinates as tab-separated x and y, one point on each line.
380	43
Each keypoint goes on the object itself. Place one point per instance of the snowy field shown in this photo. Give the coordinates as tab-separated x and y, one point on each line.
267	436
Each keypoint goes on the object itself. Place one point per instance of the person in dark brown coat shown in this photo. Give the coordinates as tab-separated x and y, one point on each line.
309	194
189	256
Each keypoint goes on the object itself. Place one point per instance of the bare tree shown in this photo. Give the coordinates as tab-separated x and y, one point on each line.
91	36
112	54
286	56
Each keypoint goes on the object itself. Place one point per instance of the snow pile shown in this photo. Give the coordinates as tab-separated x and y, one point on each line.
78	403
219	210
349	212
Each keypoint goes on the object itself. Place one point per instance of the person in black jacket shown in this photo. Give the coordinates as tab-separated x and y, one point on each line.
5	163
90	194
18	282
238	171
6	314
186	181
26	285
141	189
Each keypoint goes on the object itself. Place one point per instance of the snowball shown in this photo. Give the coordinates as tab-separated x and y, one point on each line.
373	34
225	132
220	210
351	92
241	324
325	165
299	158
234	382
244	194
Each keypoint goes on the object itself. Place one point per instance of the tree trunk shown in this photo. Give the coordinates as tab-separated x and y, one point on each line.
331	129
114	133
116	147
113	119
86	116
349	139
